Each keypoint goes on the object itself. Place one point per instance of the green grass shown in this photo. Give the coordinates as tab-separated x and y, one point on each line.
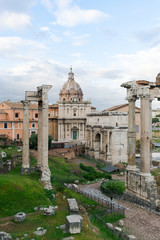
24	192
20	193
64	172
105	233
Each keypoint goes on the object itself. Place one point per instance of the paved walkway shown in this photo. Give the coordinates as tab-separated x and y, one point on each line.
139	222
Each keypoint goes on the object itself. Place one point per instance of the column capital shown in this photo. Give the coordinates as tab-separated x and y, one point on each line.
146	97
131	99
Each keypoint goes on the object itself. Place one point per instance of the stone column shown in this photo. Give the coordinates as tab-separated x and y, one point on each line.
108	148
25	153
145	135
101	147
39	161
150	130
131	135
45	177
91	138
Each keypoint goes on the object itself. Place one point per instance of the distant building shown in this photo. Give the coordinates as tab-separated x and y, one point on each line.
11	119
53	113
106	136
72	111
125	108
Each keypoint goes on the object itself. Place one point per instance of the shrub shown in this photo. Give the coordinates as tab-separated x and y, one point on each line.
89	176
87	168
113	187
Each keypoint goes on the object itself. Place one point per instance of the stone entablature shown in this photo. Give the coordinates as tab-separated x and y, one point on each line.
106	136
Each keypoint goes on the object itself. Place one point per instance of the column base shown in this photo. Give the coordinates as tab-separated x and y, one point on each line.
45	178
131	168
25	170
39	166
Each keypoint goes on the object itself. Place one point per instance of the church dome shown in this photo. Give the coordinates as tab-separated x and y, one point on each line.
71	90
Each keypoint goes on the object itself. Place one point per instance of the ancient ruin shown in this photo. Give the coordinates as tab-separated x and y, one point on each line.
40	96
140	183
106	136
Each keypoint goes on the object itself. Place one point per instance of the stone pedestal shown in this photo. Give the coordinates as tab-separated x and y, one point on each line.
141	188
74	224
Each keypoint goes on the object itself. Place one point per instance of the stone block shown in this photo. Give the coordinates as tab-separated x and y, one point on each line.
121	223
5	236
19	217
109	225
131	237
49	211
118	229
74	224
73	206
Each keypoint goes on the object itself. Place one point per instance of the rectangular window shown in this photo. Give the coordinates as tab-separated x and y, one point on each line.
5	125
33	125
17	136
36	115
16	115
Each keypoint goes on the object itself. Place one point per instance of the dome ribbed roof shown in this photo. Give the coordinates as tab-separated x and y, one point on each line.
71	90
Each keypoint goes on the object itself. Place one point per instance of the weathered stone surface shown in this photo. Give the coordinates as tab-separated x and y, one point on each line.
73	206
131	237
74	223
121	223
19	217
118	229
49	211
40	231
109	225
5	236
63	227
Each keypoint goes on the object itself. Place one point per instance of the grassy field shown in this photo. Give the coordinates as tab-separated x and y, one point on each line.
22	193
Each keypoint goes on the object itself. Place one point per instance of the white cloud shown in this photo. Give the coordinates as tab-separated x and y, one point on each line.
69	14
44	29
14	21
13	45
70	17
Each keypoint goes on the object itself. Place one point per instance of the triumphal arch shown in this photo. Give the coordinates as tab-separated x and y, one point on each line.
40	96
139	182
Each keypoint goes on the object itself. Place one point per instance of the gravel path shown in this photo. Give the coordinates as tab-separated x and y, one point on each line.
139	222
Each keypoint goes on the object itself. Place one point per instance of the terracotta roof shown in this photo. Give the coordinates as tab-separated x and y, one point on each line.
19	105
53	105
117	107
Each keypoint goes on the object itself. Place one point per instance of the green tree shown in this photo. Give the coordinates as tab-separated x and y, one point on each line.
34	140
155	120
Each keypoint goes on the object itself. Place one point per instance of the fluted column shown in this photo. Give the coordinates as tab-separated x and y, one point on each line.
45	177
39	160
25	153
131	135
145	135
150	130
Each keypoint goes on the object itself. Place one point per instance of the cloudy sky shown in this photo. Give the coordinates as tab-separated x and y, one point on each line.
106	43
